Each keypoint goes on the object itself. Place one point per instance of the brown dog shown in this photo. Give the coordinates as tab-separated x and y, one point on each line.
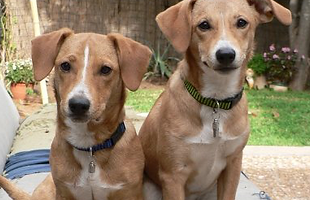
194	135
96	153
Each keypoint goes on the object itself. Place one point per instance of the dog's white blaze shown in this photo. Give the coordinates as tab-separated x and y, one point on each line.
78	132
217	85
86	58
221	86
225	43
90	183
223	25
81	88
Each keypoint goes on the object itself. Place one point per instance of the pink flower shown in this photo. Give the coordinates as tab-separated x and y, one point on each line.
272	47
275	57
295	51
265	55
286	49
303	57
289	57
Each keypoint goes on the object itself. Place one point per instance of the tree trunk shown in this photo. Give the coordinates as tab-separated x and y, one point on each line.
293	29
302	44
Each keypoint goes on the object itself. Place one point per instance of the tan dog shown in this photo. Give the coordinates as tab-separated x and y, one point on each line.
96	154
194	135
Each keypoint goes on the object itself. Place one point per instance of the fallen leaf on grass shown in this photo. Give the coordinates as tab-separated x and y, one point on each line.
252	113
275	114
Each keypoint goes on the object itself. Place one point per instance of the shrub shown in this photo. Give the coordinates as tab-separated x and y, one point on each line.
280	64
258	64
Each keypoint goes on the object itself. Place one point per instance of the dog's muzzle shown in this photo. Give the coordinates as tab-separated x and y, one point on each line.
78	107
225	58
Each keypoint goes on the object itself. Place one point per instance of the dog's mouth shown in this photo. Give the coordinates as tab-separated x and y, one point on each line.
84	119
79	118
221	68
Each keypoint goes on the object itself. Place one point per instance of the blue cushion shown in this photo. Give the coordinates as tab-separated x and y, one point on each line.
27	162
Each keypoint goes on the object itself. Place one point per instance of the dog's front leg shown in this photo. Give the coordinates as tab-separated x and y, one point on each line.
172	185
62	192
228	180
59	197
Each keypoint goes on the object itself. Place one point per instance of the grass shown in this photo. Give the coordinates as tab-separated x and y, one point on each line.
142	100
278	119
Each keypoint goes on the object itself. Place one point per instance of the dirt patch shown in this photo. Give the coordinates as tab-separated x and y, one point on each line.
154	83
281	177
25	108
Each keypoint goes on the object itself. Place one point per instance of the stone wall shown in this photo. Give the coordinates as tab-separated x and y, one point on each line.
132	18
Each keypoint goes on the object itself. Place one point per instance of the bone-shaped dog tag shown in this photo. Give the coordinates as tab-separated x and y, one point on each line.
216	127
91	167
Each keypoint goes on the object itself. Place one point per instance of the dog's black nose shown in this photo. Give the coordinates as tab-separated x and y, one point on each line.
78	105
225	56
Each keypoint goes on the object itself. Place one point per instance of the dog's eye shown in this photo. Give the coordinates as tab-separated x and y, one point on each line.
105	70
204	26
65	67
241	23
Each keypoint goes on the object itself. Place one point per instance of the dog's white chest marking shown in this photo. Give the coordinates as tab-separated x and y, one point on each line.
90	185
79	135
209	153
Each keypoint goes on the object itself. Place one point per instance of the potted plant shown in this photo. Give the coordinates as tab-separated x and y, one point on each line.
280	66
19	75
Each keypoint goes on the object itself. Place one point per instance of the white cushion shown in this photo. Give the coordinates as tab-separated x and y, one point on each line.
9	122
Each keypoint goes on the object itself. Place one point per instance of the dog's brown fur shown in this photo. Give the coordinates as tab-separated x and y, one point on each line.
46	190
119	170
182	156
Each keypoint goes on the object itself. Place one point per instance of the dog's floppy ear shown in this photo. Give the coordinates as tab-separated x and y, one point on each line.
133	59
175	23
44	51
267	9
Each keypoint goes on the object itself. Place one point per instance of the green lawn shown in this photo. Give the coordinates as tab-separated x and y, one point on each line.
142	100
276	118
279	118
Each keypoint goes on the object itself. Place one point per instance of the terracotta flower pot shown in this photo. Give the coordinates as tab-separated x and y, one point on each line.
19	90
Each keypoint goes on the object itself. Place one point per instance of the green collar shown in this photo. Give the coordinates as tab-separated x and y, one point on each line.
225	104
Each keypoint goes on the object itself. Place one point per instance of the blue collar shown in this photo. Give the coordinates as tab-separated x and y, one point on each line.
109	142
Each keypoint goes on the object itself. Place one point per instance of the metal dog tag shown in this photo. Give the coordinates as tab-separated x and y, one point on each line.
92	167
216	127
92	164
